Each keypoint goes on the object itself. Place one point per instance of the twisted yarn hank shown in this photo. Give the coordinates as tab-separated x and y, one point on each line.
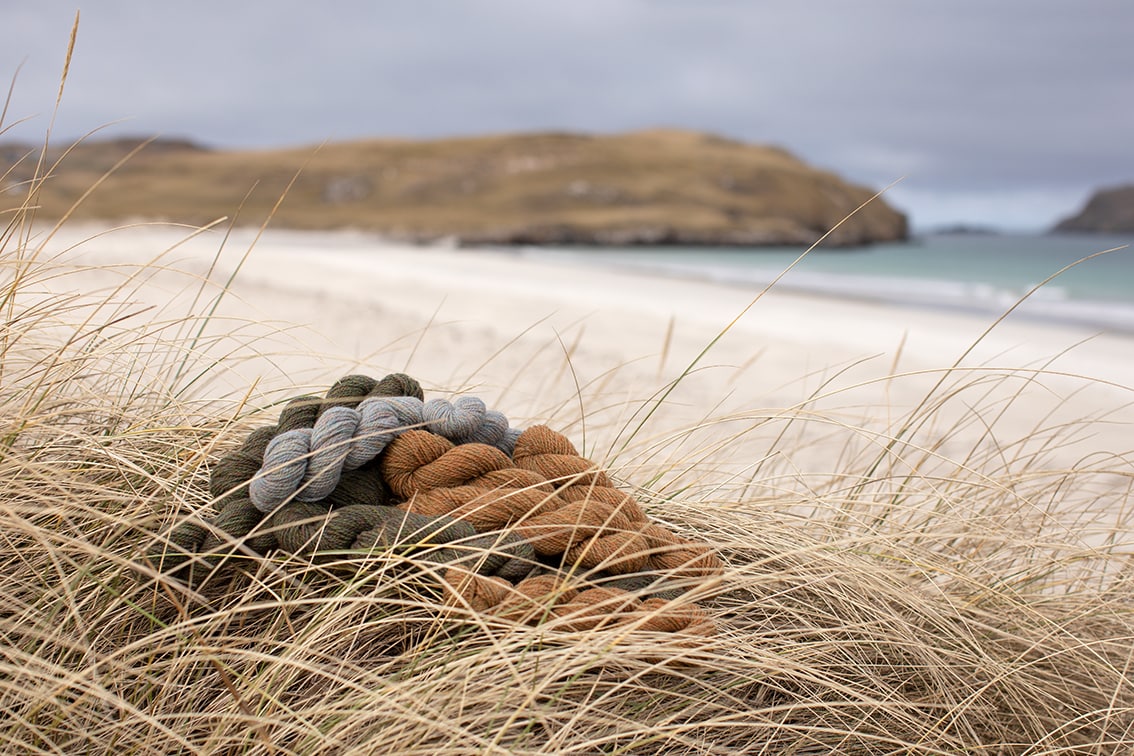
307	463
192	549
553	455
584	520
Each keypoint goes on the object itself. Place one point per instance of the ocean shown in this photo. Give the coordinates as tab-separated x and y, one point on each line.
980	273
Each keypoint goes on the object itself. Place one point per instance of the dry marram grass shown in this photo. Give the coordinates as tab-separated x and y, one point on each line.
911	602
920	597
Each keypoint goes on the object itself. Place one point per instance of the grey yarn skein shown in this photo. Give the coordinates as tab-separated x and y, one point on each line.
468	421
306	464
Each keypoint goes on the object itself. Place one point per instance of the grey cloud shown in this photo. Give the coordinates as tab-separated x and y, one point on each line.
966	96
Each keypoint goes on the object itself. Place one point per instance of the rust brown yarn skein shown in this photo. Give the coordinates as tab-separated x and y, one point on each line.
471	481
420	461
551	454
599	524
485	508
587	523
437	477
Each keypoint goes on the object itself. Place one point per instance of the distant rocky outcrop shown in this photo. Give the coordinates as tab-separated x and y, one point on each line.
965	229
642	188
1108	211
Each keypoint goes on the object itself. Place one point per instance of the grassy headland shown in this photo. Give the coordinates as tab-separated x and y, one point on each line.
650	187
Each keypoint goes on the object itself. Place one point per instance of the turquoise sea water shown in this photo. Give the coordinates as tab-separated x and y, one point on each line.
979	273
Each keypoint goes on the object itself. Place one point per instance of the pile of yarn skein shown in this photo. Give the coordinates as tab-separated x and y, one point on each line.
515	523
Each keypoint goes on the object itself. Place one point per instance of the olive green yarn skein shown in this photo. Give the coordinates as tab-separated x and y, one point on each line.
192	549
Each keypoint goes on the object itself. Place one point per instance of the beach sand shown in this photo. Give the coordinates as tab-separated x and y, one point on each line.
779	386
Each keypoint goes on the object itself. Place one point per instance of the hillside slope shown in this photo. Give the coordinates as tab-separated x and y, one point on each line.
651	187
1108	211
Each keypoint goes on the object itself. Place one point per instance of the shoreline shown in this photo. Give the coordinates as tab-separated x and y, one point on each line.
1091	318
821	274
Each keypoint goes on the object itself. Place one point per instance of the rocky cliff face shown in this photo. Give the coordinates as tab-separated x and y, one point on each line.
651	187
1109	211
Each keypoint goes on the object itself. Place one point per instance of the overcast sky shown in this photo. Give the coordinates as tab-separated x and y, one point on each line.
1006	112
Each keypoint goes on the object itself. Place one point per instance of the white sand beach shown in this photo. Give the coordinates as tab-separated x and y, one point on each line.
542	341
